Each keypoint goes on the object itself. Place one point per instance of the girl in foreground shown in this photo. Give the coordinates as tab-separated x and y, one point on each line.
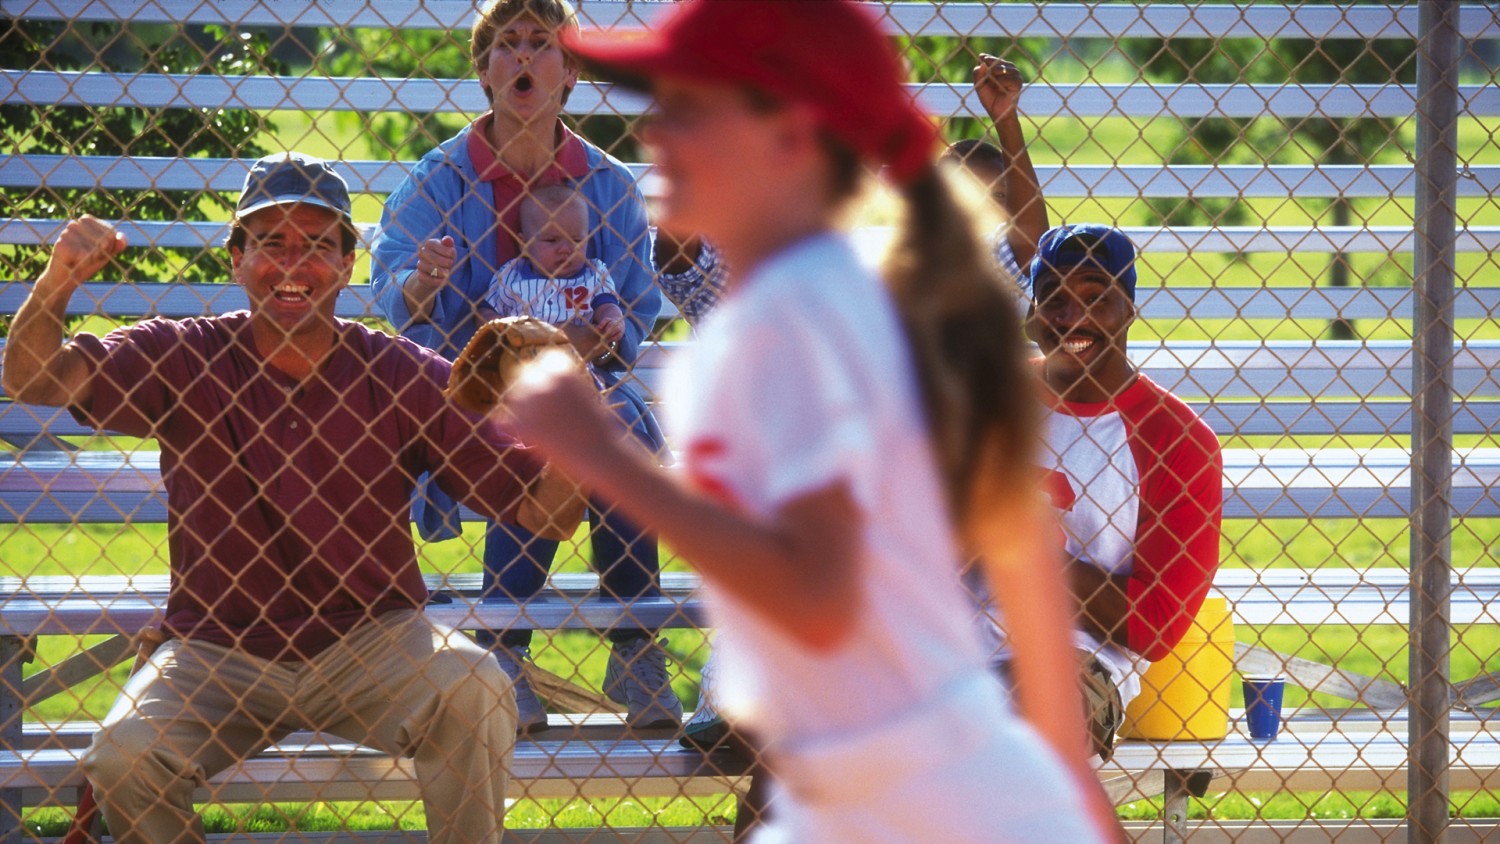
847	441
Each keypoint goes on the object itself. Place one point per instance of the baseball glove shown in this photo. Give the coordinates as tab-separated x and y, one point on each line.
553	505
493	359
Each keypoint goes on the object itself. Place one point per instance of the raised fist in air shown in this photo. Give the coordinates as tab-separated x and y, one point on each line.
84	247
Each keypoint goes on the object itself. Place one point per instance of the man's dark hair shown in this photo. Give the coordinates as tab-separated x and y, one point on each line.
970	152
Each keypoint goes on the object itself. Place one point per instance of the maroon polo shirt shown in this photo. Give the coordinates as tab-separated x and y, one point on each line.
571	162
287	501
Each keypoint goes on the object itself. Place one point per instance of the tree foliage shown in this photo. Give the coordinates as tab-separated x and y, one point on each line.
396	54
1280	61
127	131
1326	140
952	60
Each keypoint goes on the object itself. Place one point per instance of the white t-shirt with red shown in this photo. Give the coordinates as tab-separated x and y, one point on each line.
1138	482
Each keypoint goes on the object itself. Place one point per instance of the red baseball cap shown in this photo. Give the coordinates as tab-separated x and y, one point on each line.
828	54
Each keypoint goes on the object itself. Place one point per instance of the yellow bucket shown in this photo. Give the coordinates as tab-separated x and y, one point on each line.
1185	695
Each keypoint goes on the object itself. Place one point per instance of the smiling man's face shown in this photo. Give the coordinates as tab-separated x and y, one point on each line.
292	266
1081	321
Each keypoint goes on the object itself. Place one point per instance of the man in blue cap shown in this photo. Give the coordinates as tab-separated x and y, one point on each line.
1135	475
290	443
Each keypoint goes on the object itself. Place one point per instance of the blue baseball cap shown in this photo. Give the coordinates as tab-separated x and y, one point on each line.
287	178
1083	244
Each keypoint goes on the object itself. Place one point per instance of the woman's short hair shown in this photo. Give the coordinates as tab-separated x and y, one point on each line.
495	15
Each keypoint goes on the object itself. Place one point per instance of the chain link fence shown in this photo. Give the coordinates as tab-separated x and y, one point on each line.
1312	191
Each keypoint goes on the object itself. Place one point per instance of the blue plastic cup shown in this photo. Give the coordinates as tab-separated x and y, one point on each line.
1263	705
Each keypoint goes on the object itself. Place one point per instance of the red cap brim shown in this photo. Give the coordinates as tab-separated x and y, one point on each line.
633	58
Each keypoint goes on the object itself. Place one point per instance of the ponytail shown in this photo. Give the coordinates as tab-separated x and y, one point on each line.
960	319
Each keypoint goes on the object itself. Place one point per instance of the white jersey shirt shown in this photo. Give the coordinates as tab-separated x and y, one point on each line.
1006	258
519	290
1097	490
696	290
801	379
1138	485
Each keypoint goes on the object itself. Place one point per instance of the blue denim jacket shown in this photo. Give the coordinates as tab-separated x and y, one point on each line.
439	199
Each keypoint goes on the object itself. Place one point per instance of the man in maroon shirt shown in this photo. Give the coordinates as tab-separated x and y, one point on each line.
290	443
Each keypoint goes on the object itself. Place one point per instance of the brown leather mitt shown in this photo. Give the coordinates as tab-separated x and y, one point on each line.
553	506
493	359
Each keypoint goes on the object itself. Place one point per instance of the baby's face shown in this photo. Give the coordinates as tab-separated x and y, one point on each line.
557	244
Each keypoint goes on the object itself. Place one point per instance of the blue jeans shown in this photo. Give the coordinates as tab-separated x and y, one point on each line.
516	561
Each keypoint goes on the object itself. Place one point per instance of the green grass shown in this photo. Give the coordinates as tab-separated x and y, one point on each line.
522	813
1347	543
103	549
35	549
1378	651
720	810
1284	805
111	549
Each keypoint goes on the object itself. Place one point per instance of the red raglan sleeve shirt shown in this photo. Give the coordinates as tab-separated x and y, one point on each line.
1176	550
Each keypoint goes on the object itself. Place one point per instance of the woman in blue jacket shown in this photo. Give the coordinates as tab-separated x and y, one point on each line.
444	233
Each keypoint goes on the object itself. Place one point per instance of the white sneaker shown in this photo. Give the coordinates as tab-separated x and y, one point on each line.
637	677
707	728
533	718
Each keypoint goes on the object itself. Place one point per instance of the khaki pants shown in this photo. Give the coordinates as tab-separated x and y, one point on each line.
1103	711
397	684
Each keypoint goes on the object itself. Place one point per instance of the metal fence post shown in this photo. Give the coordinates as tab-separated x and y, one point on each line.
15	652
1432	420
